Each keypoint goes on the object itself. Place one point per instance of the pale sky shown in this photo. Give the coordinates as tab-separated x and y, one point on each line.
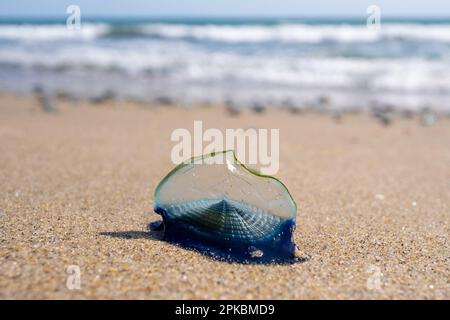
416	8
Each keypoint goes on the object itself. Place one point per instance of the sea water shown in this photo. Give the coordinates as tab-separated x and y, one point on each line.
243	62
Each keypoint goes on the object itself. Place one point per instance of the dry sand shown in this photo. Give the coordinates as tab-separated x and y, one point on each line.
76	189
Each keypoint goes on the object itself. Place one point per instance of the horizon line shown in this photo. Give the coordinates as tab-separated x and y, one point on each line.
225	16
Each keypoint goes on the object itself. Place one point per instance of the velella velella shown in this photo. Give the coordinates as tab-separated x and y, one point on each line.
218	206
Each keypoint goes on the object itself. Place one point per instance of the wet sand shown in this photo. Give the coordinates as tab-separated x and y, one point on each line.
76	189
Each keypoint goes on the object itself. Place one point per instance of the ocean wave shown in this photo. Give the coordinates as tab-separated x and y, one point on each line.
128	58
290	33
30	32
300	33
164	61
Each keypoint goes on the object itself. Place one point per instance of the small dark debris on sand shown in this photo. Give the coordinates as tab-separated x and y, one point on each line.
164	101
258	108
105	97
290	106
383	113
65	96
232	108
45	101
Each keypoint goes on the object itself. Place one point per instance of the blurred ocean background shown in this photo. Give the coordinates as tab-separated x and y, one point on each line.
276	62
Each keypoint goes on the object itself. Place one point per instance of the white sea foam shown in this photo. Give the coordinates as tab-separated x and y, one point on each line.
50	32
412	74
297	33
302	32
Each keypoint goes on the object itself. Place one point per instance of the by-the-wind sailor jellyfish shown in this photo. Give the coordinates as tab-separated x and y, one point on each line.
216	205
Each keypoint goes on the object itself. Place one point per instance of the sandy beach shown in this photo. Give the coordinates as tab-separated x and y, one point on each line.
77	186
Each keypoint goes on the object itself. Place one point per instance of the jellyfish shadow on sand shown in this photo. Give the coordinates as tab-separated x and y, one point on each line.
155	232
134	234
